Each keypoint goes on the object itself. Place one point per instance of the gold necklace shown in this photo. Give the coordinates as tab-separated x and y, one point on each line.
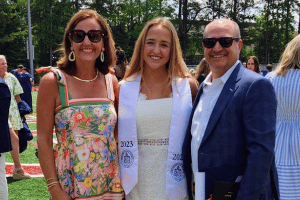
87	80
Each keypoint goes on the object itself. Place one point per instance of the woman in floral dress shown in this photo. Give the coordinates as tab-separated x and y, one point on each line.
78	99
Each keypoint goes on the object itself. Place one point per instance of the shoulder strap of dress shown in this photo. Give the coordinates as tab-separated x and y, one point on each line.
62	86
109	87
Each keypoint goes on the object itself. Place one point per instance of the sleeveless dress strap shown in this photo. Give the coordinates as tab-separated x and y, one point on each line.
63	95
62	86
109	87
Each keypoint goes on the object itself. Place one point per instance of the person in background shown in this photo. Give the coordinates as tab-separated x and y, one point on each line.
14	117
253	64
245	64
121	64
231	131
78	99
286	81
19	69
269	68
192	73
202	70
26	80
25	106
5	142
155	100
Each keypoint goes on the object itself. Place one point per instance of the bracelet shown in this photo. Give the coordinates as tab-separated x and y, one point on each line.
53	183
50	185
50	179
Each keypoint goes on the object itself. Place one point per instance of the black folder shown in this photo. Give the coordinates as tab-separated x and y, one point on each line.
225	190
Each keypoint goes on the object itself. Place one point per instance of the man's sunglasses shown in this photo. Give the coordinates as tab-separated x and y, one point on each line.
224	41
93	35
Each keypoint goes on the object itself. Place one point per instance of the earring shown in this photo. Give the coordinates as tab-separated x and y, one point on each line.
102	56
72	54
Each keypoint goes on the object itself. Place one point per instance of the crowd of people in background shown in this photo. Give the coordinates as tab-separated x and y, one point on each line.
14	117
12	125
152	128
201	71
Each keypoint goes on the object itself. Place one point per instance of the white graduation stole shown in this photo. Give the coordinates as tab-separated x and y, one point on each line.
128	145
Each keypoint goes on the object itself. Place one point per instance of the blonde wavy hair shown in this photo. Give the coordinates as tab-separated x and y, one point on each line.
109	53
176	66
290	59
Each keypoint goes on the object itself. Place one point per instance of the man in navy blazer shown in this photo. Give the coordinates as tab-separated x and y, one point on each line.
231	132
5	143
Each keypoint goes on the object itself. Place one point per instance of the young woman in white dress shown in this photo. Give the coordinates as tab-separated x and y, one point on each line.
155	100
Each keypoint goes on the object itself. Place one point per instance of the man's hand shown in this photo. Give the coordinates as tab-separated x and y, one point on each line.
211	197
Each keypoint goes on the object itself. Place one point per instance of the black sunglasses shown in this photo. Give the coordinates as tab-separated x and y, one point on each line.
93	35
224	41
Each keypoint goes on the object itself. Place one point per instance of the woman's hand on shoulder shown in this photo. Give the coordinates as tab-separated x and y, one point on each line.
194	87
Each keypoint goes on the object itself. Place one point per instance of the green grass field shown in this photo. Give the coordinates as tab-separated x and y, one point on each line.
27	189
27	156
34	188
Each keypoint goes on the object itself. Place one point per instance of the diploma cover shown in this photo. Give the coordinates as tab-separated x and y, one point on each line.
225	190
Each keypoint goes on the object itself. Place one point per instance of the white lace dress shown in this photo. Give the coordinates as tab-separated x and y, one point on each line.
153	127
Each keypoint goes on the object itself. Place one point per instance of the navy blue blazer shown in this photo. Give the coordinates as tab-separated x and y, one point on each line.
239	138
5	143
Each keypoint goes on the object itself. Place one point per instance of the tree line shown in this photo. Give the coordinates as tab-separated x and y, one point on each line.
266	25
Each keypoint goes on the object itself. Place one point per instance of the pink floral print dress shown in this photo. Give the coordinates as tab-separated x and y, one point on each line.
86	155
